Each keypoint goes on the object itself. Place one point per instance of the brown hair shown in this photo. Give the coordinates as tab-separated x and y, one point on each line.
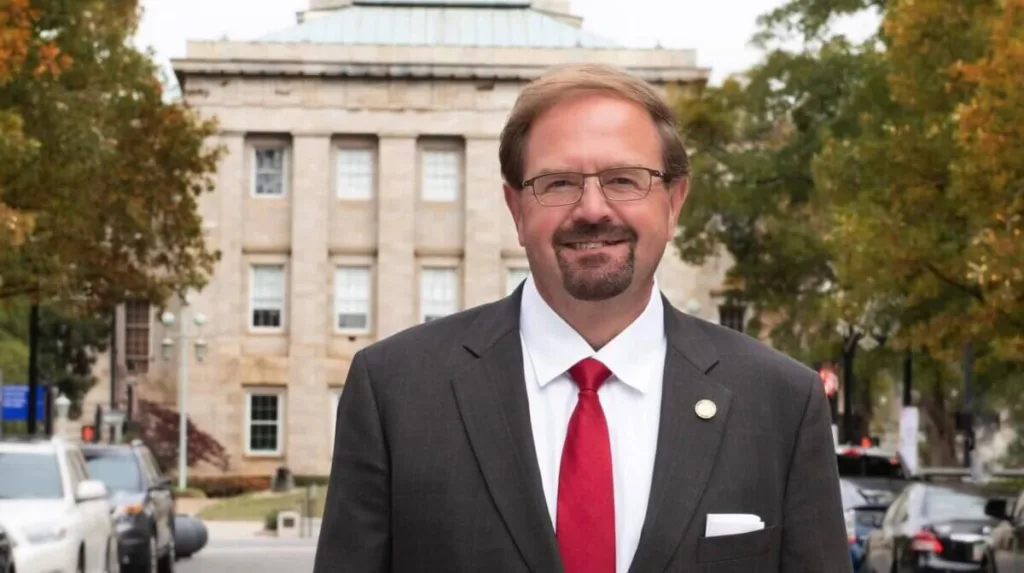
561	82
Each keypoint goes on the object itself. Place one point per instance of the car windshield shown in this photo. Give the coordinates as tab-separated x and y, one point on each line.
30	475
946	504
861	465
119	471
851	496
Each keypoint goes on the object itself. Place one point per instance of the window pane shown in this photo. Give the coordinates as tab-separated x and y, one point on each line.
263	408
269	176
263	438
267	296
352	297
440	173
439	292
29	476
355	173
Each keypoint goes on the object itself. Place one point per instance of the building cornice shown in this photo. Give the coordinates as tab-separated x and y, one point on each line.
526	72
225	58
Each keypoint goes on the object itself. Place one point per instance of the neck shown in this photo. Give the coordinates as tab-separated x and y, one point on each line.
598	322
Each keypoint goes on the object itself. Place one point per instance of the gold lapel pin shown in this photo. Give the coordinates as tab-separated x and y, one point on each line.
705	409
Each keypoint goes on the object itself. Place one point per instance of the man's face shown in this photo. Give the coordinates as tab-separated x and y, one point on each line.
597	248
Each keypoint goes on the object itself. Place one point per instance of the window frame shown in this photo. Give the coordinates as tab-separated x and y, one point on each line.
456	302
252	295
130	327
338	268
255	148
445	148
354	147
278	394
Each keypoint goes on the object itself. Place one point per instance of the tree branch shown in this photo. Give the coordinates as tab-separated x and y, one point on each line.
974	293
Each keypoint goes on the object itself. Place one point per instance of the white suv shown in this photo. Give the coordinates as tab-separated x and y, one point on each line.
58	517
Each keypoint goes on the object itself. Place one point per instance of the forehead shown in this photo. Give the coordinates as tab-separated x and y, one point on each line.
591	132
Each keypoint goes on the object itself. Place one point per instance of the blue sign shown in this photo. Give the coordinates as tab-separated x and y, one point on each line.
15	400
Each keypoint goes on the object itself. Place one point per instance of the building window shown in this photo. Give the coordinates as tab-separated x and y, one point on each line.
732	316
515	277
352	299
266	297
136	336
439	293
355	174
264	414
269	173
440	173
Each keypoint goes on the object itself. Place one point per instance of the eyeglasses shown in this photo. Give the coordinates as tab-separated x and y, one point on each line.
618	184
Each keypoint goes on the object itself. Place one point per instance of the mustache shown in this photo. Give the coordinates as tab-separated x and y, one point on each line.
593	232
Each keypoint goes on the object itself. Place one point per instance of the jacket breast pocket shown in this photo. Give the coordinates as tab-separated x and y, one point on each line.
736	547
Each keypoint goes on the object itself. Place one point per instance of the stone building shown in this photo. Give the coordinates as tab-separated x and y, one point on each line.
360	194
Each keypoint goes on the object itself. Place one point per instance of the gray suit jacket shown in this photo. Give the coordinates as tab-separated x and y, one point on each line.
435	469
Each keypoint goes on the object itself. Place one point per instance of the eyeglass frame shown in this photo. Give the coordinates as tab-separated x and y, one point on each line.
583	184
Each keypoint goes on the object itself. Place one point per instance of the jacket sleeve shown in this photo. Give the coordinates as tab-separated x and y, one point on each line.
355	535
814	530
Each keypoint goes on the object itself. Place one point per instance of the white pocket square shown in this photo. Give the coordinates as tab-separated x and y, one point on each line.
720	524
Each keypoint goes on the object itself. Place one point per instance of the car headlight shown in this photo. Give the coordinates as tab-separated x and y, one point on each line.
41	533
128	511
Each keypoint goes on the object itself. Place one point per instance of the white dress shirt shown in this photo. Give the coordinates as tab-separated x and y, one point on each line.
631	400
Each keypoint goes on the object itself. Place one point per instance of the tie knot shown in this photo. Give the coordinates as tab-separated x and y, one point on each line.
589	374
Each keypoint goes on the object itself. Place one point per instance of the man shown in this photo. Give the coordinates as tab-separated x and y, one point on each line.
583	424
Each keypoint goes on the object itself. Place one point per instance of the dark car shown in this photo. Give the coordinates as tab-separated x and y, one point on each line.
933	528
144	505
880	475
863	516
6	552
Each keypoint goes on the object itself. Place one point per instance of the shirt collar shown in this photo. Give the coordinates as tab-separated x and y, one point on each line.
554	346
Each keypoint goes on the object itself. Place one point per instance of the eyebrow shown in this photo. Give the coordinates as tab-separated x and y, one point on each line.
555	171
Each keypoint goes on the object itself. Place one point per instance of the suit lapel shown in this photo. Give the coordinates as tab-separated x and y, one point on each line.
491	397
687	444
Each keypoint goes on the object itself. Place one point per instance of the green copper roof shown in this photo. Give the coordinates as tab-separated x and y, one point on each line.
490	23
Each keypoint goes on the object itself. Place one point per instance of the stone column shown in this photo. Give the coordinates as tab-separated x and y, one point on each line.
216	402
309	306
485	213
396	286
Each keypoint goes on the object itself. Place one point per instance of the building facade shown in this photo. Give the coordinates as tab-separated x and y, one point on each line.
360	194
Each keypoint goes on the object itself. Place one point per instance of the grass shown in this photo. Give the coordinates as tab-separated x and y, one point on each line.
256	506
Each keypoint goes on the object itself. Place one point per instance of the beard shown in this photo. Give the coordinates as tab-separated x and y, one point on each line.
599	275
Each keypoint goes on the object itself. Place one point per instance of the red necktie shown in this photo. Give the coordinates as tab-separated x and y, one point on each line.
586	505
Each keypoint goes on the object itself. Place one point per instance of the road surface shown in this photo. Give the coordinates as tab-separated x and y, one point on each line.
265	555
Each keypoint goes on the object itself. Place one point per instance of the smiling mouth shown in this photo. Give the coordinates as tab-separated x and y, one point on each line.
591	245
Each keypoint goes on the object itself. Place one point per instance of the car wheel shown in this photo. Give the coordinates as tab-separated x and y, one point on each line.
166	564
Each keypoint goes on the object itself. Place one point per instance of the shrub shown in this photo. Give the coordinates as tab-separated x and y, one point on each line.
157	427
229	486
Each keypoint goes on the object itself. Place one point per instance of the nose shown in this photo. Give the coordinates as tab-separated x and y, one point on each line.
593	205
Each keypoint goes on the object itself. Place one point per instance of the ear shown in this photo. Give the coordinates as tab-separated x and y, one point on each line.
677	193
515	208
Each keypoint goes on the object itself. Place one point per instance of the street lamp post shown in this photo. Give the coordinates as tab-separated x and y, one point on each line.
183	336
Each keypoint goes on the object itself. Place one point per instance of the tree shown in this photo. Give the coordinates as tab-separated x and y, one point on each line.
106	172
879	183
70	342
21	52
158	428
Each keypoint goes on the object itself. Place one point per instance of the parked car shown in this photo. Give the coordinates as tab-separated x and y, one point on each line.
57	516
933	528
6	552
862	517
880	475
142	501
